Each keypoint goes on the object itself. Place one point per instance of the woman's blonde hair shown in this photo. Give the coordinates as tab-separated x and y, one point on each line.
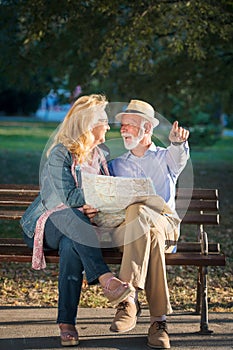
75	130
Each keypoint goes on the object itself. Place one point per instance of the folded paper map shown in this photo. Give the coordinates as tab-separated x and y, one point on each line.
112	195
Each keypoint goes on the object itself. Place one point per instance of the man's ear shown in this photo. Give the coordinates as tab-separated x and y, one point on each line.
148	128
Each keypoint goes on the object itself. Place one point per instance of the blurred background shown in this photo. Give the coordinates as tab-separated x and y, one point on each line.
177	55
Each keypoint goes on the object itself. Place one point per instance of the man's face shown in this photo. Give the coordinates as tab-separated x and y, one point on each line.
131	130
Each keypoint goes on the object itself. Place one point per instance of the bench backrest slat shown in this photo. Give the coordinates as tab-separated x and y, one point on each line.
11	214
15	203
202	208
198	205
197	193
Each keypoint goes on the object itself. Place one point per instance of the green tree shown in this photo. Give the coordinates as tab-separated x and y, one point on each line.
147	49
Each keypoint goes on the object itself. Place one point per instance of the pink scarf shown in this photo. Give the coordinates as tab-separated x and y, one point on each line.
38	258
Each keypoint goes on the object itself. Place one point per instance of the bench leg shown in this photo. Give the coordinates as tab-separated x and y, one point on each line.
204	326
199	292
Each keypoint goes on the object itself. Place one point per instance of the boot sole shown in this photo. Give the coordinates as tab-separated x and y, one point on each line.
125	330
157	346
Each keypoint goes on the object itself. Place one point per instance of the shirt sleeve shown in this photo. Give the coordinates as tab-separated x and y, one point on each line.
177	157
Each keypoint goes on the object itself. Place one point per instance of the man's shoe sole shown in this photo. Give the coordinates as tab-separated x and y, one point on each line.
157	346
125	330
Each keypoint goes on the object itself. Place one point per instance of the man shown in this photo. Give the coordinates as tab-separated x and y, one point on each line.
149	229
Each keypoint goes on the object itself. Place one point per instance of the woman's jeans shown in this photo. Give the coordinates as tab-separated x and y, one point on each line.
71	233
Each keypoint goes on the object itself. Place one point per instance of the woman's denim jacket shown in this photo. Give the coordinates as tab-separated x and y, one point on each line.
57	185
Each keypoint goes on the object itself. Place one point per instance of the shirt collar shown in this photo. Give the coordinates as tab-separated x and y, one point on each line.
152	148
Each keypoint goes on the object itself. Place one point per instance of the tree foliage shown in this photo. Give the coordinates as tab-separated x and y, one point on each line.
147	49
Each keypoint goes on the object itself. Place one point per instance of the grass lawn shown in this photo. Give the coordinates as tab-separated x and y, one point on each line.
21	147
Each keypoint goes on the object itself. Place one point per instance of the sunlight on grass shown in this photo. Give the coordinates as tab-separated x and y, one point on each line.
28	137
221	151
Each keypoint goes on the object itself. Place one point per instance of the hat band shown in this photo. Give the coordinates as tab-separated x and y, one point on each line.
133	111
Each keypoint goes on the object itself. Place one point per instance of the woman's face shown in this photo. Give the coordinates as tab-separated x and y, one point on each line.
99	132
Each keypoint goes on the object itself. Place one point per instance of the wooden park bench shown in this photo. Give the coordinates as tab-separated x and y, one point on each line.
202	210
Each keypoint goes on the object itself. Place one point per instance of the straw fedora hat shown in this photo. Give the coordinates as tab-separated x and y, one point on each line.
142	109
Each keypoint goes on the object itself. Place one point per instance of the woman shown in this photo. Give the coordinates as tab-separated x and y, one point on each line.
60	219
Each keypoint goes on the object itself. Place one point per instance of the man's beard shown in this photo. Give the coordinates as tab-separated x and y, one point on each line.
132	141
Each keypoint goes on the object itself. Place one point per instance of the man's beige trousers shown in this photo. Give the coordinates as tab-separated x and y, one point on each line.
148	232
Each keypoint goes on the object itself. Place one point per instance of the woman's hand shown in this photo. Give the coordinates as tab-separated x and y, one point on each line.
89	211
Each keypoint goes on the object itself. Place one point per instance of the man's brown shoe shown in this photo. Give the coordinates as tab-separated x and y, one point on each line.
126	317
158	336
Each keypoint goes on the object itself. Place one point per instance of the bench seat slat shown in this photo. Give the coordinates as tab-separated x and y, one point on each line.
7	243
196	259
14	249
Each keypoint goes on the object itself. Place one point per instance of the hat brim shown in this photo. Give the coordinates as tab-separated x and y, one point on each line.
153	121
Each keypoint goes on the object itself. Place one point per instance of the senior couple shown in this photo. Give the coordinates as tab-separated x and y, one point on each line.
60	219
